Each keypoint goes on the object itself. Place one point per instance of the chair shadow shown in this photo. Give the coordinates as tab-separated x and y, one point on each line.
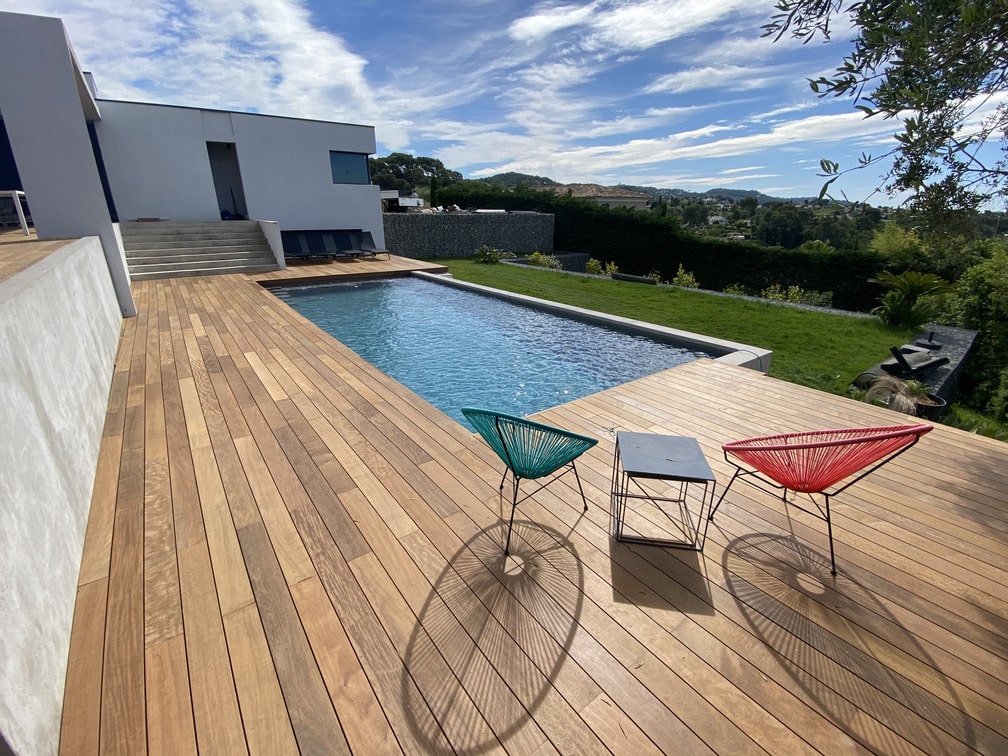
843	647
503	627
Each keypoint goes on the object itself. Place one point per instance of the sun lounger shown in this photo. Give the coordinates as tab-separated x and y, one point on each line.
908	361
368	246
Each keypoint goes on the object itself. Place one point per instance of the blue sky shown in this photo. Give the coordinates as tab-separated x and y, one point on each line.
668	93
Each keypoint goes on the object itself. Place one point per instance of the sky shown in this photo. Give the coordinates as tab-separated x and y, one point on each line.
668	93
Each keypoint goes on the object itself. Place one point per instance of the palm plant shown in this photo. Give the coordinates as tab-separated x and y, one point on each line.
912	299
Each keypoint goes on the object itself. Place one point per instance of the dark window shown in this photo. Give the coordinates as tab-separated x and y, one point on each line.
349	168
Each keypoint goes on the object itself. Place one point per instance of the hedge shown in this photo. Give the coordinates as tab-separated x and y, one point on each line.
641	243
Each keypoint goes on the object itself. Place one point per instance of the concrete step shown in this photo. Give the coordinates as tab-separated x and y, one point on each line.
258	246
190	240
188	256
163	249
146	275
159	227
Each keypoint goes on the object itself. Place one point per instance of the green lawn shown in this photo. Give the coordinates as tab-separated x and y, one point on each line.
810	348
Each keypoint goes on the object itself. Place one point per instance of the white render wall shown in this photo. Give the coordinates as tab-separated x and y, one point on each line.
44	101
158	167
157	163
59	331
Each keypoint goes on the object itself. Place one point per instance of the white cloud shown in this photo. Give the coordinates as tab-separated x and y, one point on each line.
643	24
731	78
263	55
549	19
602	90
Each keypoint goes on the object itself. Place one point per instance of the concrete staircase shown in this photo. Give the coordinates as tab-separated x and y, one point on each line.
167	249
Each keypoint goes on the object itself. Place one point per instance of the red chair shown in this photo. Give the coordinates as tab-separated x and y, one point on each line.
815	462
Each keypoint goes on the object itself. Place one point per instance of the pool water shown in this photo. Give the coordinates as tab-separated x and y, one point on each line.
459	348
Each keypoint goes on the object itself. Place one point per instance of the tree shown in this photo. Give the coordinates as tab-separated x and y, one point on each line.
695	214
747	206
901	249
783	225
408	173
941	66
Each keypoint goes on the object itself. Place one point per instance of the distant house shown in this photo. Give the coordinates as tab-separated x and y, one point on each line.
86	163
610	196
393	201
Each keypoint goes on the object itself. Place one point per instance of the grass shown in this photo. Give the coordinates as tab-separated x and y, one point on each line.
816	349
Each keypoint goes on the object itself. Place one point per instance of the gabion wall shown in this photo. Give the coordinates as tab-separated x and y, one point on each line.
460	234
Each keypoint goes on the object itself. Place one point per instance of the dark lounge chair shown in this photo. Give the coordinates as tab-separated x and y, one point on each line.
368	246
909	362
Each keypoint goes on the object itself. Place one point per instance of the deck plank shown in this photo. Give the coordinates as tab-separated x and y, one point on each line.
288	551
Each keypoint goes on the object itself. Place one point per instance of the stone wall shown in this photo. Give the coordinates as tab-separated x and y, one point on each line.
460	234
59	330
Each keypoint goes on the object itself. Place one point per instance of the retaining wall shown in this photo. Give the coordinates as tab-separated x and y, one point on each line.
423	235
59	331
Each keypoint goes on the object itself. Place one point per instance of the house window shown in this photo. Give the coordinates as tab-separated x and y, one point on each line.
349	168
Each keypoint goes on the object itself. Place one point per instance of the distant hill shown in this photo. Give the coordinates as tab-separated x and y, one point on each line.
511	180
733	194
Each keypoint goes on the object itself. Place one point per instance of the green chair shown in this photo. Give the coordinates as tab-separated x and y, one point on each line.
529	451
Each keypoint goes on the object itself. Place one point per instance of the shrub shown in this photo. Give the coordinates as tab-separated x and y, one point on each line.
639	242
598	268
981	304
544	261
485	254
736	288
654	275
685	278
798	295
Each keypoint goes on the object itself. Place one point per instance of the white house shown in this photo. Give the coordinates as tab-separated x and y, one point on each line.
87	163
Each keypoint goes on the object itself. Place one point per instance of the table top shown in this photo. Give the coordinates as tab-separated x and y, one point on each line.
652	455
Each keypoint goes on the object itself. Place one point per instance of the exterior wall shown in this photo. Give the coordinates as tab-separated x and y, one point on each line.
460	234
157	163
43	107
59	331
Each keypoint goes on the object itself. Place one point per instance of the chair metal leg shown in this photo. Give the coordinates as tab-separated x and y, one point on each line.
578	479
710	517
829	530
514	505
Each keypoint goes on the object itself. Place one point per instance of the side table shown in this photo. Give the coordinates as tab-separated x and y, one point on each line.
659	469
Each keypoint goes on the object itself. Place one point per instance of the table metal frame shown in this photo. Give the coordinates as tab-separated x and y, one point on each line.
674	459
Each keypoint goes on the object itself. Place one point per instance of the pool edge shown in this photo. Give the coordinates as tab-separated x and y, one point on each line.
729	352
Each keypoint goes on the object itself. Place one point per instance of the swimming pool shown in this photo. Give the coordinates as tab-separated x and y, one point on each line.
459	349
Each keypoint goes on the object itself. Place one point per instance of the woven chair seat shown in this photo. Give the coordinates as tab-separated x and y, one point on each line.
529	450
812	461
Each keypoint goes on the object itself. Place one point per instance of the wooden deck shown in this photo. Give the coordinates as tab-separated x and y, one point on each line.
18	251
289	552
